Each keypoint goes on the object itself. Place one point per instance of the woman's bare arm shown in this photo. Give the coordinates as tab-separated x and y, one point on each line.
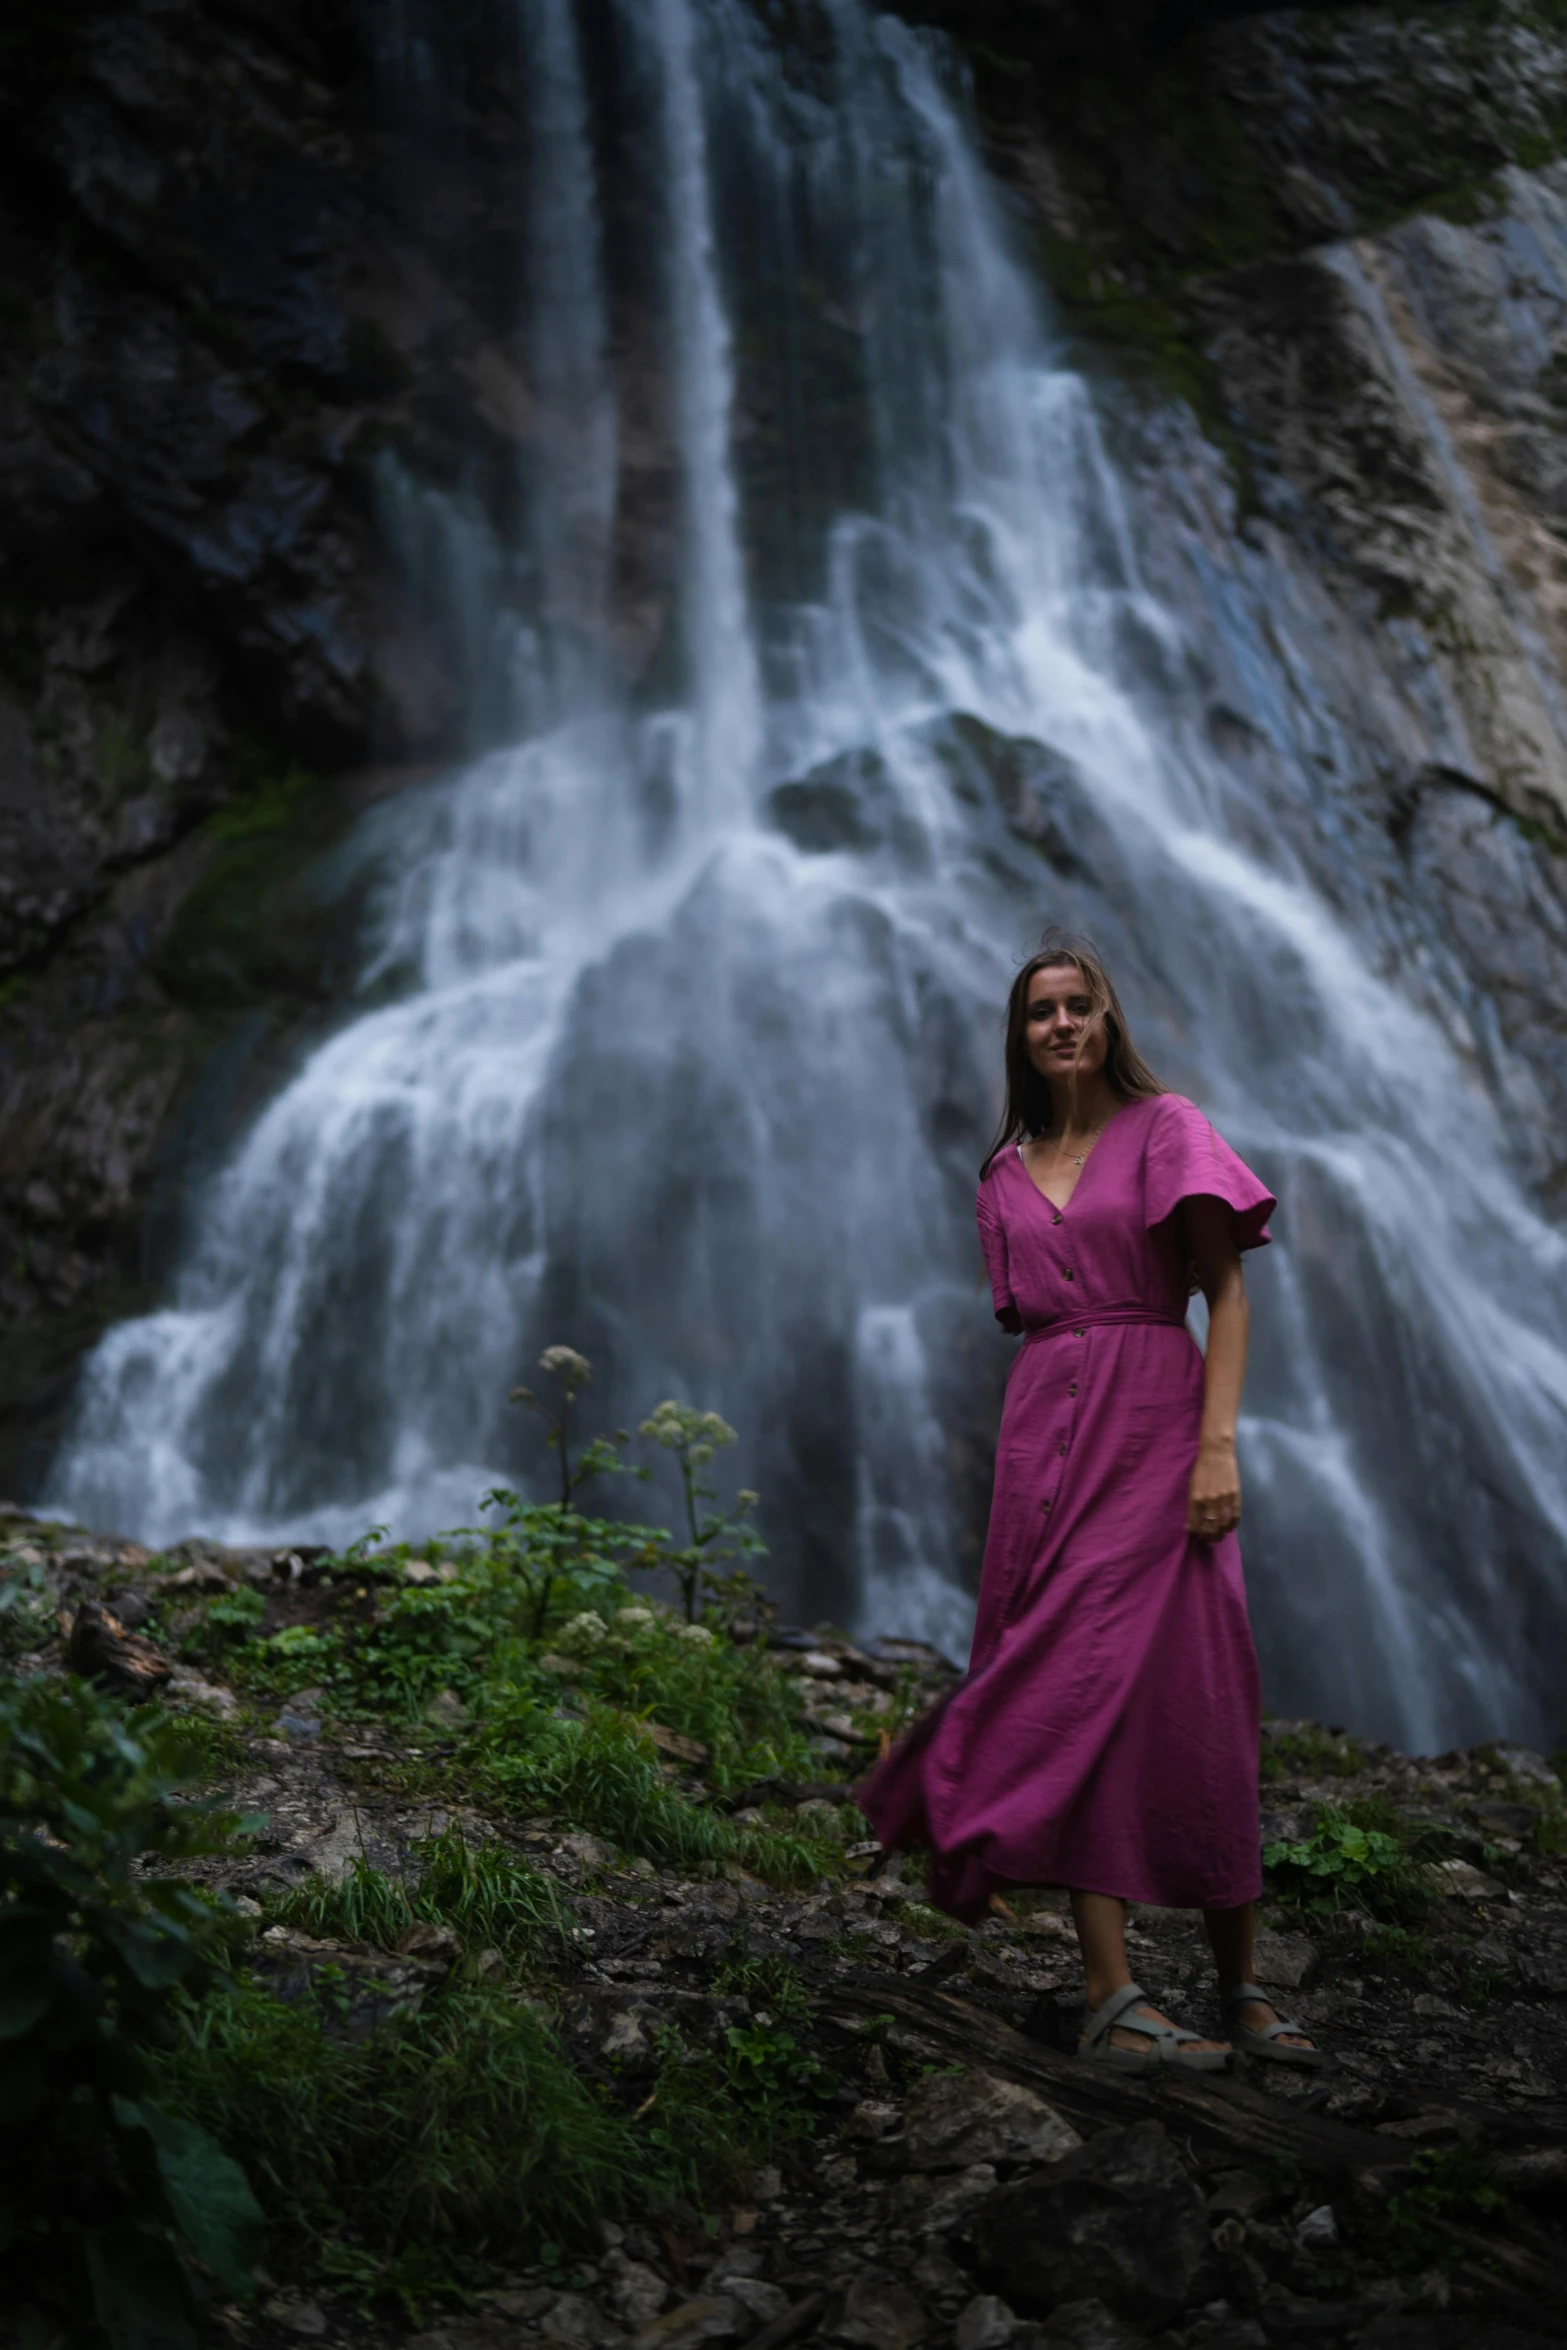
1214	1499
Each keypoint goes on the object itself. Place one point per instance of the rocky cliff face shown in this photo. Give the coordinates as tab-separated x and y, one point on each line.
249	317
1340	238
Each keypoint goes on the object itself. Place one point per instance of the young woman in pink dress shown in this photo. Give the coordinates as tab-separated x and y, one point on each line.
1105	1737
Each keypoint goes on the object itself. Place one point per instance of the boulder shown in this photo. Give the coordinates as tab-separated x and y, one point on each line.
1117	2220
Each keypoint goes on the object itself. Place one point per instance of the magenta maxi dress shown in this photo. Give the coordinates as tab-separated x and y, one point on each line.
1105	1736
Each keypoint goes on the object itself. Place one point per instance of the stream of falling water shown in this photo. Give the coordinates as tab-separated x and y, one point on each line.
692	1032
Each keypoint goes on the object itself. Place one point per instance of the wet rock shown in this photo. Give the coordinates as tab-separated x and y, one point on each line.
879	2313
1118	2220
955	2120
104	1650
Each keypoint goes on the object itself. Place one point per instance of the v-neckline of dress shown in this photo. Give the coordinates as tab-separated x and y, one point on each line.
1055	1206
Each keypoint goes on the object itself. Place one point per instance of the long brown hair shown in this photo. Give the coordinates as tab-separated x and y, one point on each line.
1028	1109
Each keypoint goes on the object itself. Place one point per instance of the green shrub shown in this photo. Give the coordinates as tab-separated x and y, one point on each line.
115	2214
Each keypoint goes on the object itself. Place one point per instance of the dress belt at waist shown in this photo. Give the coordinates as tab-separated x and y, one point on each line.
1099	1318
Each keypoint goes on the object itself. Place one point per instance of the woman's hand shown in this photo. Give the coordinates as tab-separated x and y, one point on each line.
1214	1502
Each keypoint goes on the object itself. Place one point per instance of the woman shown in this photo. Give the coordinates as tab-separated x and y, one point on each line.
1105	1738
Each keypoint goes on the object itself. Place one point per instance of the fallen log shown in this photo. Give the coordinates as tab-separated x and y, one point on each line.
1220	2113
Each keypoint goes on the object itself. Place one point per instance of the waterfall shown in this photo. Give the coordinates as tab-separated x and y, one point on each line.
679	1027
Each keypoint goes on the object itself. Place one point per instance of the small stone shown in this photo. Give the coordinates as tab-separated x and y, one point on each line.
717	2318
637	2293
767	2183
839	2174
191	1689
1318	2231
937	2204
295	2316
879	2313
1460	1881
872	2119
418	1571
984	2324
1089	2325
1284	1962
589	1852
766	2303
574	2321
625	2042
426	1941
446	1711
957	2119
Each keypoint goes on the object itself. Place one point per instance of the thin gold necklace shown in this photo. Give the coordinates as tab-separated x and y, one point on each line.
1089	1139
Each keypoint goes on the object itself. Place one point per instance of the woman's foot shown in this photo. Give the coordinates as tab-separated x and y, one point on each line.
1122	2037
1262	2032
1126	2032
1255	2015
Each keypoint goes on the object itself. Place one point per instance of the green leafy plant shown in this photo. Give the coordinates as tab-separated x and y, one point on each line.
25	1621
1363	1858
716	1538
1453	2185
116	2214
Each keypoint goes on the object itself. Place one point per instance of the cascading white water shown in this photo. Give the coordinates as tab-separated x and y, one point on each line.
692	1043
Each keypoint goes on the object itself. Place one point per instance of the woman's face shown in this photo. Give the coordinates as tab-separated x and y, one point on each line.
1061	1033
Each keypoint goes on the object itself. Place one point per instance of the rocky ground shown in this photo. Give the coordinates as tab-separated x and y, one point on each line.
970	2182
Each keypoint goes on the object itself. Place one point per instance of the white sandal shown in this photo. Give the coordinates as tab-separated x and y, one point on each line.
1270	2041
1166	2042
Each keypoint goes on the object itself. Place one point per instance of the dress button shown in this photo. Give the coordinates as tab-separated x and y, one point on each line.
1072	1390
1077	1334
1069	1275
1044	1509
1063	1448
1056	1218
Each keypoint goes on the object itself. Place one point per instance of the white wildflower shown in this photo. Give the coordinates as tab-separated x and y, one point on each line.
582	1632
698	1635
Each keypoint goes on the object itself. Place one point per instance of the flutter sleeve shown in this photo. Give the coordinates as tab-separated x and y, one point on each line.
1187	1159
993	1240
